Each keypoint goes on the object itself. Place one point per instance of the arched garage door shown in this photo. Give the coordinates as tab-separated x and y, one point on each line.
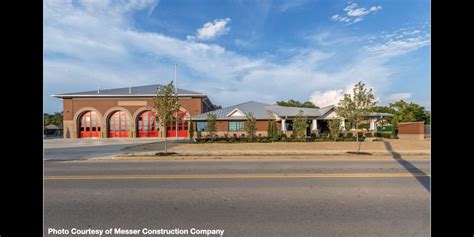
119	124
147	125
89	125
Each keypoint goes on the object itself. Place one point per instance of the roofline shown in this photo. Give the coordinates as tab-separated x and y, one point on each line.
124	95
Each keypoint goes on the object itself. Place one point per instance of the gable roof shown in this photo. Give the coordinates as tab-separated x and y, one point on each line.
284	111
261	111
135	91
256	108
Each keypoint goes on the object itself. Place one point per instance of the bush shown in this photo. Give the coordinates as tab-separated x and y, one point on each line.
349	135
368	134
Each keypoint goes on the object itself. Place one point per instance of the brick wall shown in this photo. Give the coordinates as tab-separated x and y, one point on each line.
411	128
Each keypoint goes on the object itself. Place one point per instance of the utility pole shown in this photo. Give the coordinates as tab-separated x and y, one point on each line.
176	92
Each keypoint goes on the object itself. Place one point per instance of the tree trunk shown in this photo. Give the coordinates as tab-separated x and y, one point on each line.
166	145
357	137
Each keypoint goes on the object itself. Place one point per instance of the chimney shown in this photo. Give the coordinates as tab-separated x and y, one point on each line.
98	90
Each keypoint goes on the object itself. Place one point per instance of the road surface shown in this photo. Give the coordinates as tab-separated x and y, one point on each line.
243	198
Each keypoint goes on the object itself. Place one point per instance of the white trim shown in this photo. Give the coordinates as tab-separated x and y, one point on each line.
236	110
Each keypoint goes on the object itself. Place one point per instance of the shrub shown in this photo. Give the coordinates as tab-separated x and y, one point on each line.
348	135
368	134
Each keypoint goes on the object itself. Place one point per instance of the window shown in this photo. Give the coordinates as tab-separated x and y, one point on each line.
236	126
201	126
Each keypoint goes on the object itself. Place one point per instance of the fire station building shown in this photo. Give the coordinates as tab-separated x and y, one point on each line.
125	112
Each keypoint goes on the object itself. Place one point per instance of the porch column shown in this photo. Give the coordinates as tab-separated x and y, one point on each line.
342	124
283	125
372	125
314	125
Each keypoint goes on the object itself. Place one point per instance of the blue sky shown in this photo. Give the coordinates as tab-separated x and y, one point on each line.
236	51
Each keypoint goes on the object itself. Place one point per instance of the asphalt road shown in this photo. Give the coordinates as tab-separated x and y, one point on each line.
245	198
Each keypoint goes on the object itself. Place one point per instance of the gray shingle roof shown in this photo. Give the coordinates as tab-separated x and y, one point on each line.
284	111
262	111
375	114
257	109
148	90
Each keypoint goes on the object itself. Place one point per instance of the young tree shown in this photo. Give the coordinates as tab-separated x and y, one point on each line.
300	123
272	130
191	129
211	127
250	126
334	128
165	105
354	107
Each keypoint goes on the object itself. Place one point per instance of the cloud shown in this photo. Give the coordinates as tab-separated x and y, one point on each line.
290	4
398	96
325	98
400	42
354	14
211	30
89	46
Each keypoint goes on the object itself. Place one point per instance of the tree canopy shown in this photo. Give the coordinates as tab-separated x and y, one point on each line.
296	103
55	119
406	112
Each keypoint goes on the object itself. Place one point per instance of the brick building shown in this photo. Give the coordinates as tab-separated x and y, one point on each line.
124	112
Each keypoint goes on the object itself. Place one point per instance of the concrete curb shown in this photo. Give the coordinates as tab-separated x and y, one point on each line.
281	153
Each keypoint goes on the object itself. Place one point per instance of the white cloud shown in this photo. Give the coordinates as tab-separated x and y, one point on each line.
354	14
211	30
84	49
290	4
325	98
398	96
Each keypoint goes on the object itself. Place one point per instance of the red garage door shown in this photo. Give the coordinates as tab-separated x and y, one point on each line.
89	125
182	128
147	125
119	125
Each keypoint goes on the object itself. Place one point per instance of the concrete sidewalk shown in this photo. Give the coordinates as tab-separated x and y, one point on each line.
68	143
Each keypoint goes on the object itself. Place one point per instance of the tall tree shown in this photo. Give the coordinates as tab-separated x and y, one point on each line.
211	127
55	119
356	106
334	126
250	126
410	112
166	106
296	103
300	123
